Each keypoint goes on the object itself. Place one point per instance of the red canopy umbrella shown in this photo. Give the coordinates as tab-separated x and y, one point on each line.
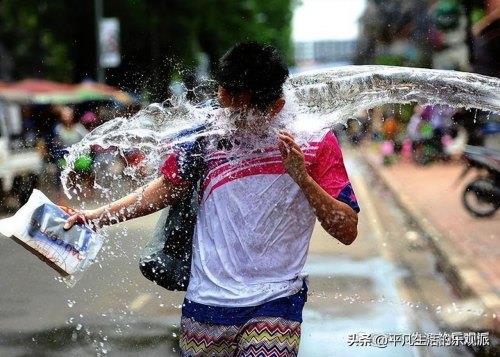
39	86
38	91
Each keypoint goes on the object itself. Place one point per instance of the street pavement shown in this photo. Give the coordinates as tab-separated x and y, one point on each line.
467	248
385	282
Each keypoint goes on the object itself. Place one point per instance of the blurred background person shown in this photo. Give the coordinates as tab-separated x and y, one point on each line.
68	131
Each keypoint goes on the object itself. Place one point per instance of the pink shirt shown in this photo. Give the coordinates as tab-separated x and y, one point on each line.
254	223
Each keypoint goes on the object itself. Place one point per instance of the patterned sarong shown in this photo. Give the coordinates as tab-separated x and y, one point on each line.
261	336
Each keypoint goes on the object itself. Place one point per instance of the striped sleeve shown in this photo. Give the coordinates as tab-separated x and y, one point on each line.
330	173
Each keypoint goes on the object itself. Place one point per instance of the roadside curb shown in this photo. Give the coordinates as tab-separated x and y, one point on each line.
458	269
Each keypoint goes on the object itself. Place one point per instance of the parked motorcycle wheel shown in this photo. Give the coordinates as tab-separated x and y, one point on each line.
479	198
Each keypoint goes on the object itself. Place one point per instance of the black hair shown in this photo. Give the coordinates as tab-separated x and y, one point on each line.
256	68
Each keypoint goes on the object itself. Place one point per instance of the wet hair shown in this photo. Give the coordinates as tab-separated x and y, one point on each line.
255	68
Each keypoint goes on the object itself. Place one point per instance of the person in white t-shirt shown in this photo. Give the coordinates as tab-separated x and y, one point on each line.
68	131
256	215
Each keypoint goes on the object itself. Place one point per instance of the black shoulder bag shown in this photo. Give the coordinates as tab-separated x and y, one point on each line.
168	258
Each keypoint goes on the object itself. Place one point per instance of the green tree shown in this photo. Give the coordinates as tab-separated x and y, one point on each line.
159	39
226	22
31	33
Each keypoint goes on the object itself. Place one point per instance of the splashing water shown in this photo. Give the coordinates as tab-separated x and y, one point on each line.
315	101
347	90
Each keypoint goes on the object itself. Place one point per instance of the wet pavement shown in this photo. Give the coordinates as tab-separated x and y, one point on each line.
385	282
438	207
370	286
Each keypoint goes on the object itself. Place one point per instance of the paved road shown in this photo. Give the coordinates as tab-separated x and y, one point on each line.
439	202
383	283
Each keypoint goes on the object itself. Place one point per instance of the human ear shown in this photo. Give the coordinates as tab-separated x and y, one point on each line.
225	99
277	106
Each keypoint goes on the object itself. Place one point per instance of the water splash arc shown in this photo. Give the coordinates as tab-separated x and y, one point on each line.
315	101
347	90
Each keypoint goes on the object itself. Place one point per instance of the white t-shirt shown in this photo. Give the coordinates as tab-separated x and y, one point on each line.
70	135
254	223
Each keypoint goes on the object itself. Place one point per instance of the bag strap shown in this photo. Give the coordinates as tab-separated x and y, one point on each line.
181	219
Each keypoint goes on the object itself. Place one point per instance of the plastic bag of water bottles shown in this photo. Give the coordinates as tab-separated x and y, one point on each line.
38	226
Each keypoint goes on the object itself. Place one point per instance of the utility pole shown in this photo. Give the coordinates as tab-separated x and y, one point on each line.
469	39
98	12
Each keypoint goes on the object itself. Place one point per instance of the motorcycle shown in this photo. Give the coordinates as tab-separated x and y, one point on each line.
481	197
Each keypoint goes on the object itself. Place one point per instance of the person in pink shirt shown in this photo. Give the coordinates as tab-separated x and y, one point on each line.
255	218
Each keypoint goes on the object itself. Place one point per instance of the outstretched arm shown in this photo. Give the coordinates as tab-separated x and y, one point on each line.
336	217
150	198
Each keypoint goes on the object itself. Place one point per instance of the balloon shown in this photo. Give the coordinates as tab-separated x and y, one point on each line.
83	163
